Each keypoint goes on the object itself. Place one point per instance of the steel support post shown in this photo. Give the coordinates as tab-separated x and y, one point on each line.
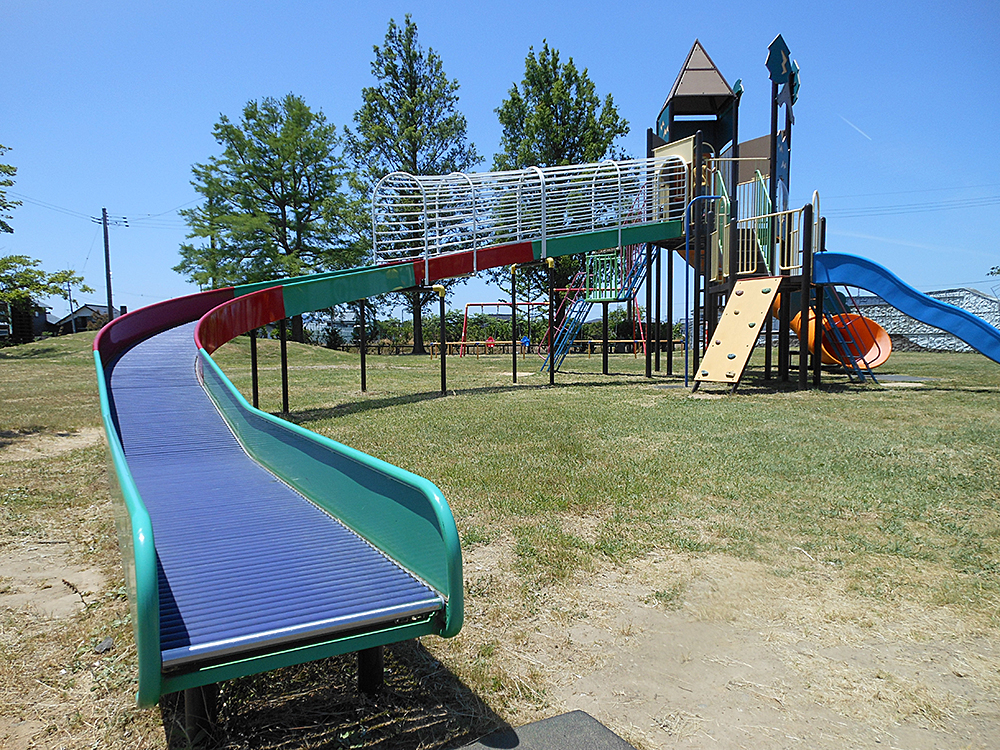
371	671
551	263
513	322
283	333
254	382
363	345
604	338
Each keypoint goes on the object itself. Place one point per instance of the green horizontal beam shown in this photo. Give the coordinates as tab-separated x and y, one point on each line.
347	286
605	239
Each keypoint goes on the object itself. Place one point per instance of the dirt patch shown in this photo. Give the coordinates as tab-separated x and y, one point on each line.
41	577
678	652
28	446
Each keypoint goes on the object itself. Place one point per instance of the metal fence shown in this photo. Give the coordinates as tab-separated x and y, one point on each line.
426	216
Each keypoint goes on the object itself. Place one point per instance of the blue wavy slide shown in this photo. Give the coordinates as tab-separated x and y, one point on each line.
851	270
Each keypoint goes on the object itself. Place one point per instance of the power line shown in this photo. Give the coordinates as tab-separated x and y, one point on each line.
907	192
148	221
911	208
50	206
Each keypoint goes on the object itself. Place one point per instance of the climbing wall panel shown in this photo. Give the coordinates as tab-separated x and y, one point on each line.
734	338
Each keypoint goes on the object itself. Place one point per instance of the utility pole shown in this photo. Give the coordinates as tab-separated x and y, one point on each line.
105	221
69	298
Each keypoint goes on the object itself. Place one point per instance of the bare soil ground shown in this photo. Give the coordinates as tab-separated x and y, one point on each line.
669	649
743	656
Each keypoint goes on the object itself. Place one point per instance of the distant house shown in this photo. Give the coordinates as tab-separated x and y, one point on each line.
79	319
20	324
908	334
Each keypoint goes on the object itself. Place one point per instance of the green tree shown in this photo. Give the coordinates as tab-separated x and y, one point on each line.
23	285
273	205
23	282
995	271
409	122
554	118
7	174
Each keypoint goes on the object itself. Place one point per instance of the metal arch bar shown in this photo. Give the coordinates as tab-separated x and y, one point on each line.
520	185
593	199
816	222
541	180
448	182
392	176
475	219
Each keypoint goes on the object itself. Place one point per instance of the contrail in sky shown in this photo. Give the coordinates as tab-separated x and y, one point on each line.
855	127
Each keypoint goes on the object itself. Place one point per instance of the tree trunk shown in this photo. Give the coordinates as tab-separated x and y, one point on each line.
418	324
298	333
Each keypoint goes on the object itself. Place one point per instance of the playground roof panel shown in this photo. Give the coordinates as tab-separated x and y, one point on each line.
700	88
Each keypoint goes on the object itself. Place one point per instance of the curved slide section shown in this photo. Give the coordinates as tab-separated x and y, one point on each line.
847	337
250	543
841	268
865	342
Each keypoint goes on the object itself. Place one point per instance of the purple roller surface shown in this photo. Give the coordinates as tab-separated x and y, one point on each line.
245	561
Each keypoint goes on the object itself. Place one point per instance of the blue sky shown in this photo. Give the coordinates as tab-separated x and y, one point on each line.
109	104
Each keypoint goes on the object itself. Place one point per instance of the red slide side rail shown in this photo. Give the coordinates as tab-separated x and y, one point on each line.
237	316
133	327
460	264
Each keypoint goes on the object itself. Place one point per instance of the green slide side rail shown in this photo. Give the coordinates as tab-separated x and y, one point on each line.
135	539
400	513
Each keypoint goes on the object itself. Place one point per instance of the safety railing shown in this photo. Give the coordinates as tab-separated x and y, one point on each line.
434	215
604	276
721	235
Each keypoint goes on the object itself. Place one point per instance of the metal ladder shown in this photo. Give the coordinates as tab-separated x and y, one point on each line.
581	303
845	341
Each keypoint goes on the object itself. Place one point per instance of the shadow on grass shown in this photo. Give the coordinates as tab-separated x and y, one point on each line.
359	407
29	352
422	704
9	437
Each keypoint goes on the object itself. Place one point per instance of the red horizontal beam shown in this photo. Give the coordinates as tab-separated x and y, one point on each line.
461	264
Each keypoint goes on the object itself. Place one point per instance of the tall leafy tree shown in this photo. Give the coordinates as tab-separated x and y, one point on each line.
23	281
273	204
554	118
7	174
409	122
23	284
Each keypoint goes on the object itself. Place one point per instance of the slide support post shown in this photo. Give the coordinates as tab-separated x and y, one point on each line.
439	288
513	322
604	338
551	263
283	333
806	279
363	345
371	671
649	310
255	383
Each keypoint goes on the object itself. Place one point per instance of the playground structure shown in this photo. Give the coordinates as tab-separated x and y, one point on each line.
350	553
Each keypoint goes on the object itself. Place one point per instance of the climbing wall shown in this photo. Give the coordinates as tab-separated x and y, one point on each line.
734	338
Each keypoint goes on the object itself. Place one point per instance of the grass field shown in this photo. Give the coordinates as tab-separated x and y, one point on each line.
887	495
